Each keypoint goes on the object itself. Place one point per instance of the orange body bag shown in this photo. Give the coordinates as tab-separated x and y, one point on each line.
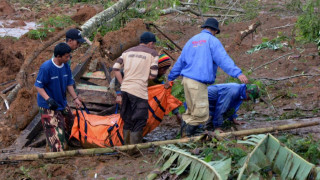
106	131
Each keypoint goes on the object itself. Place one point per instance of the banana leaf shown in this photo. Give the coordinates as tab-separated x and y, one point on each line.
199	169
269	152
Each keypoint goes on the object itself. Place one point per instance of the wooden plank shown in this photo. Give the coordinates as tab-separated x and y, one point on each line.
80	68
94	75
28	134
9	88
99	108
106	71
98	97
93	88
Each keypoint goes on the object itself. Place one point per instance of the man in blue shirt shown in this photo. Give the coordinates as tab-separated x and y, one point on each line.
53	80
225	101
198	64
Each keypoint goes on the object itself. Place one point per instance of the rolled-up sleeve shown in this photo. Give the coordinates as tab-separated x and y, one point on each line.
154	67
118	65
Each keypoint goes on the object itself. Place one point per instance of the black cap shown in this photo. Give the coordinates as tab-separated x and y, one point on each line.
147	37
211	23
75	34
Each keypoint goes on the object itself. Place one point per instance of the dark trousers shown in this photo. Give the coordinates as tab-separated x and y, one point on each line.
134	112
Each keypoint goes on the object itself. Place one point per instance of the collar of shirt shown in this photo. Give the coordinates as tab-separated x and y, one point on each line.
206	31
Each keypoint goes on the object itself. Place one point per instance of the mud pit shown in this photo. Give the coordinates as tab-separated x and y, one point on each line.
292	98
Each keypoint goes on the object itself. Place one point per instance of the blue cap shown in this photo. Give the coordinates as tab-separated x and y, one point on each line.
147	37
75	34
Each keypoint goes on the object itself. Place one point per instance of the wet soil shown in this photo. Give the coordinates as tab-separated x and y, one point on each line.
292	98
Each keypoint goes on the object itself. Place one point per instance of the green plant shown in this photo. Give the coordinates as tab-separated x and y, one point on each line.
308	22
307	147
273	44
40	33
178	92
294	5
57	21
251	9
49	25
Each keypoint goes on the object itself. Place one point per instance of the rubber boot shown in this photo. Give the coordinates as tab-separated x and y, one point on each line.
191	130
209	125
126	137
183	128
135	138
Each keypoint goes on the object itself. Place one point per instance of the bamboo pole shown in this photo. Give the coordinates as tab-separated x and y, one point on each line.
51	155
269	129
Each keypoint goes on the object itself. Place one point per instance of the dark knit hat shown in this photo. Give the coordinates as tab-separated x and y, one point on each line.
147	37
211	23
164	61
75	34
253	92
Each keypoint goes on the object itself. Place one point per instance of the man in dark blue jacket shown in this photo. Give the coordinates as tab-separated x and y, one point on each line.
225	101
198	64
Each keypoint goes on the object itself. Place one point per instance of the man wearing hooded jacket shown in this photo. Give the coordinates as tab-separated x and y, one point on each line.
198	63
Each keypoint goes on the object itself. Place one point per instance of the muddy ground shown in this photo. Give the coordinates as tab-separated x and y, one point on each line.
292	98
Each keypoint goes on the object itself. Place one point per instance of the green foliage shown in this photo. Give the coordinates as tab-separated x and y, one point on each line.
57	21
251	9
40	33
274	44
294	5
237	153
49	25
308	22
307	147
178	92
292	114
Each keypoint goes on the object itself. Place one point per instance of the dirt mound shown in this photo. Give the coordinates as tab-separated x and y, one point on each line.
5	8
84	14
10	60
23	108
126	37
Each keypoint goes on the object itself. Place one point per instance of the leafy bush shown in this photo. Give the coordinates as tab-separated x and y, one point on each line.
251	9
308	22
49	26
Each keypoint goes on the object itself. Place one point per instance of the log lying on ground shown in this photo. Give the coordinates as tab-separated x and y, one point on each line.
22	76
151	144
115	42
96	21
188	9
252	28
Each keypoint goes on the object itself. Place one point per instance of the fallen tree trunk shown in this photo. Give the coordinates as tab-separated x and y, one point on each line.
96	21
188	9
151	144
215	7
252	28
22	75
115	42
269	129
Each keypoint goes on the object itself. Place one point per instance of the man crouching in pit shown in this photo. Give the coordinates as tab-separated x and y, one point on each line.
139	64
54	79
